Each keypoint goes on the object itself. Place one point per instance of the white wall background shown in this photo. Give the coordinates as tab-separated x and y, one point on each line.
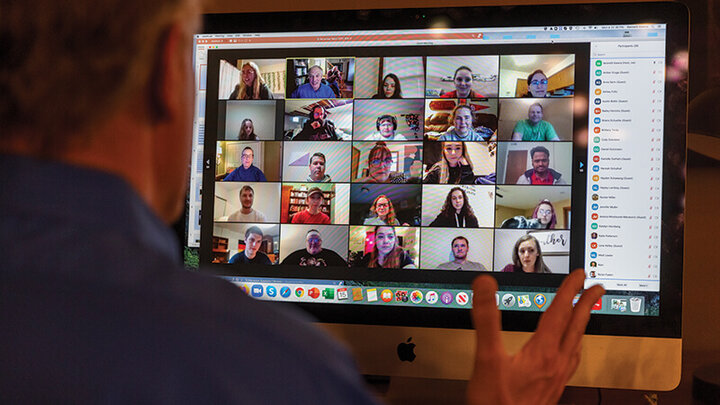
481	199
266	199
441	66
261	112
436	249
555	253
337	160
367	112
560	158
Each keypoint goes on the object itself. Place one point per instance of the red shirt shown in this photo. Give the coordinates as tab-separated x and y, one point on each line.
305	217
534	179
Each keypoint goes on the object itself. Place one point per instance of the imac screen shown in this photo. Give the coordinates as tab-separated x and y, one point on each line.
369	172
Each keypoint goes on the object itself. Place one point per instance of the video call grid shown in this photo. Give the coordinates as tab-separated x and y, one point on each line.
354	142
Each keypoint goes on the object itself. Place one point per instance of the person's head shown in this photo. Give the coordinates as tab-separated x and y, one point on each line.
386	125
537	83
453	152
314	199
463	81
460	247
545	213
391	86
379	163
253	240
535	113
317	166
462	119
134	57
315	76
528	256
540	157
385	240
318	113
247	129
247	195
247	157
313	242
249	72
457	202
383	208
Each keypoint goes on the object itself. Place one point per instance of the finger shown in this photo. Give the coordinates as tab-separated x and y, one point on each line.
554	321
580	317
486	316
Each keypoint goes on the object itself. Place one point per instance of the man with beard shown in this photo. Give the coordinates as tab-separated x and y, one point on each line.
541	173
314	254
317	169
317	128
247	213
460	248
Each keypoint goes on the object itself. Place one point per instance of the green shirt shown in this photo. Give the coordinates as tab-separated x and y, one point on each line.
543	131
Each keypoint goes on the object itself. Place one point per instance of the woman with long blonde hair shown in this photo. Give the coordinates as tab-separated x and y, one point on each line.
454	167
251	86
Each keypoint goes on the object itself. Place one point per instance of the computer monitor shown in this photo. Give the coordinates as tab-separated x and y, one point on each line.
367	165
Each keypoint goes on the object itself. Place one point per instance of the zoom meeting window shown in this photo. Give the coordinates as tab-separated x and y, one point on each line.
515	151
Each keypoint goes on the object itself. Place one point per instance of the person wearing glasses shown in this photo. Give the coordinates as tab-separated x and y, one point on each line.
382	212
534	128
313	213
541	173
246	171
543	217
379	162
461	128
463	80
537	85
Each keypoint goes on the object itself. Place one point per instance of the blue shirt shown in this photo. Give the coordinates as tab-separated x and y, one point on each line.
306	91
95	307
252	173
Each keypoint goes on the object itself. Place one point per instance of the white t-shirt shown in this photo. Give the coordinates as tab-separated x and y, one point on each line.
378	137
253	216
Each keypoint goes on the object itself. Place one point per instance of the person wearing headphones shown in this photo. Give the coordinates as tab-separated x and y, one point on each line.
386	129
317	127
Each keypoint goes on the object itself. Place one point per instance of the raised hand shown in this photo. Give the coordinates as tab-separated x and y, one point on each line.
537	374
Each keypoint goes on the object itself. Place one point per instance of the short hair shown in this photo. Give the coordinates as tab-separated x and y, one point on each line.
89	50
255	230
386	117
529	78
459	237
317	154
246	187
251	149
537	149
316	67
537	104
463	67
313	230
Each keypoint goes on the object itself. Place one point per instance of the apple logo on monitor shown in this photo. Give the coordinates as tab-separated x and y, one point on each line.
406	351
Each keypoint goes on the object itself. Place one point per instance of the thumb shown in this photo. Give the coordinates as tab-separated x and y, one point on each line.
486	316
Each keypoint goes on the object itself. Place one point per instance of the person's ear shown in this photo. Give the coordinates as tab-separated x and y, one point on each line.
169	79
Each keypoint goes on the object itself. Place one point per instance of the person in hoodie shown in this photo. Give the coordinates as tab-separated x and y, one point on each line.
541	173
